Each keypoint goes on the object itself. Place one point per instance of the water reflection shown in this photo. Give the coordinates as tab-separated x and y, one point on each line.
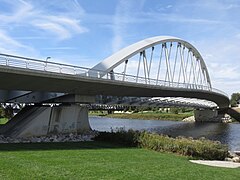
225	133
196	130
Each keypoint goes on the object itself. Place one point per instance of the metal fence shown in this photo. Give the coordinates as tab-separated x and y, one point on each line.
41	65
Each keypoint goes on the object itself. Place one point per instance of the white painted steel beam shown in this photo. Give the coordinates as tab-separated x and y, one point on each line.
119	57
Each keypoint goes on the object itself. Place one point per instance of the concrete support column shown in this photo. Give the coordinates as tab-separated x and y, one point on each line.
67	119
207	115
37	121
83	120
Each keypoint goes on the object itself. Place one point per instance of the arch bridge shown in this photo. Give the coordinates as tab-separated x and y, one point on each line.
159	71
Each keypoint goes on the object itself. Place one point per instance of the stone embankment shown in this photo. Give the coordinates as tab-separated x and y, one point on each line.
189	119
72	137
225	119
233	161
234	157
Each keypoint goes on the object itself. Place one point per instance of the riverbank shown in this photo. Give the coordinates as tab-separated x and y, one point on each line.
145	116
100	160
237	109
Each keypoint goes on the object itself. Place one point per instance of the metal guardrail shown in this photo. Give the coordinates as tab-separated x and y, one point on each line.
41	65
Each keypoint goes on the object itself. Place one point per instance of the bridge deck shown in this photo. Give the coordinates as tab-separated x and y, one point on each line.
13	78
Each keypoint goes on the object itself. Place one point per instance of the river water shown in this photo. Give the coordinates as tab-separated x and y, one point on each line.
226	133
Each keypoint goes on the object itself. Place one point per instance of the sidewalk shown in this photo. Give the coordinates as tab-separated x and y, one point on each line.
225	164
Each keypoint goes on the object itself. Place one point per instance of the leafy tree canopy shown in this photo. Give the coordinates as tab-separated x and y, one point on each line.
234	99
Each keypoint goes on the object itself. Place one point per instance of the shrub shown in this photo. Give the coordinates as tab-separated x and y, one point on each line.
199	148
121	136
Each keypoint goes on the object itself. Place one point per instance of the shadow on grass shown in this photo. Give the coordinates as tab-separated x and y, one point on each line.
59	146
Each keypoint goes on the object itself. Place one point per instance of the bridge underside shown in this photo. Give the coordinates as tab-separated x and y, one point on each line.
29	80
45	120
36	81
163	67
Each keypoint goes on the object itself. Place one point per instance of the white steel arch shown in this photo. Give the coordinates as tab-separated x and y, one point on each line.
108	64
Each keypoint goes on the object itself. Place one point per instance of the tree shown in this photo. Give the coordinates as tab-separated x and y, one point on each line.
174	110
6	113
234	98
1	112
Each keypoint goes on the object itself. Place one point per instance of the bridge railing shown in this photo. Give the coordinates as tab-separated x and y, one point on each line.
41	65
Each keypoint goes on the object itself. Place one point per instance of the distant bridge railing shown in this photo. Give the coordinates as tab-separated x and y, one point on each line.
41	65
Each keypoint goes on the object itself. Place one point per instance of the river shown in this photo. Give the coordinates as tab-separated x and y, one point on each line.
226	133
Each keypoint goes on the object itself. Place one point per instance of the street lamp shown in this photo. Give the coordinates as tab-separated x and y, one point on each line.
45	67
48	58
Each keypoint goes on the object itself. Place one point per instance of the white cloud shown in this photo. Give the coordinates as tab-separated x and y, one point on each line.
63	26
6	40
76	60
42	20
20	11
215	5
221	57
60	48
123	16
117	42
118	26
55	29
212	25
9	45
238	36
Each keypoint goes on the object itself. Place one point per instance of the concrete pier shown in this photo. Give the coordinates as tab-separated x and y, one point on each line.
234	113
207	115
37	121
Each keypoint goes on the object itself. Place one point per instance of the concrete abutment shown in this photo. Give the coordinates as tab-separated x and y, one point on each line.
208	115
38	121
217	115
234	113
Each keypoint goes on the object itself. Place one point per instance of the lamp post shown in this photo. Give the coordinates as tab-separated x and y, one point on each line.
46	62
48	58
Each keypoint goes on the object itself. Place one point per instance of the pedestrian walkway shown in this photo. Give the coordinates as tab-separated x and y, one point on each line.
225	164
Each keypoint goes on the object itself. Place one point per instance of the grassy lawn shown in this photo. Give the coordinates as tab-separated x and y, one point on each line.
3	120
144	115
98	160
148	116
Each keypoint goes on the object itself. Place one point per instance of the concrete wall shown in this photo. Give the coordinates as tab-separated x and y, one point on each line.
207	115
69	119
53	120
234	113
37	126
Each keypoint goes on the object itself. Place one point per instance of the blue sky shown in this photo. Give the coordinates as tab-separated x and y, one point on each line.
84	32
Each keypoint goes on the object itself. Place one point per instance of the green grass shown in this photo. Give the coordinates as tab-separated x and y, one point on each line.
3	120
144	115
152	116
98	160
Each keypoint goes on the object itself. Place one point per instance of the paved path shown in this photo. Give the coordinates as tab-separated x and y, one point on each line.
225	164
237	109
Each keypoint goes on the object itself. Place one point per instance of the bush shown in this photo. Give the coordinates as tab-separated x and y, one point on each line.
129	138
200	148
6	113
174	110
1	112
